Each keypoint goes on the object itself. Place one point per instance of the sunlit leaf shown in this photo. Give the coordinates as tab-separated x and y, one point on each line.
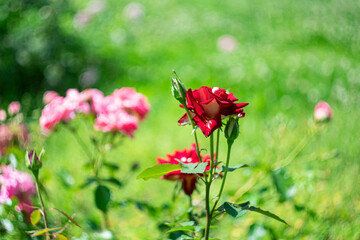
184	228
193	168
102	197
35	217
158	170
61	237
43	231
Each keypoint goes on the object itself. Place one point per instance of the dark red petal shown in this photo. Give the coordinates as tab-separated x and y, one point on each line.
189	184
208	126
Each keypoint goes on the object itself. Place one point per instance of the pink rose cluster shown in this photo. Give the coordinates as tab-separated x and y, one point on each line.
120	111
16	184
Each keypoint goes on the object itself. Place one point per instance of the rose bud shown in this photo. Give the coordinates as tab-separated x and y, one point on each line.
232	129
177	88
2	115
323	112
14	108
33	162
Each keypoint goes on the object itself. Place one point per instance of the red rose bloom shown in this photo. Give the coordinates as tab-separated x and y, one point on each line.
185	156
209	106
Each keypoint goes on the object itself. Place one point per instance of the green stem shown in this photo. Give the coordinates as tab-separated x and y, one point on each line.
106	220
212	157
207	189
80	141
190	207
225	174
217	148
207	207
42	204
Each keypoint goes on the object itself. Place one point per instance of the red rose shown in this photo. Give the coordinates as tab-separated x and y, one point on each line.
185	156
209	106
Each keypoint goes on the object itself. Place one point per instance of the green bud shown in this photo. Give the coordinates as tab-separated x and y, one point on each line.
177	88
232	129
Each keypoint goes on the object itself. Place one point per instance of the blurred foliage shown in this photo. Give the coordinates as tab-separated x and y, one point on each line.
288	56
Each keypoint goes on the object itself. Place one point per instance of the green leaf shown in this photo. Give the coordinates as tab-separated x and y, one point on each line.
66	215
102	197
111	166
231	169
88	182
184	228
43	231
237	210
113	181
61	237
158	170
189	223
267	213
284	184
35	217
193	168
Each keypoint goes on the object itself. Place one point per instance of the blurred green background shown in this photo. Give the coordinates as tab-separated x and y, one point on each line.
280	56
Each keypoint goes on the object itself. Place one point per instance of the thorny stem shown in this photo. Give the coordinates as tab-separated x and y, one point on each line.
42	205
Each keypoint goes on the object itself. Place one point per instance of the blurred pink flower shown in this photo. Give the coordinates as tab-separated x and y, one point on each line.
133	101
14	108
227	43
120	111
17	184
2	115
134	11
95	98
323	111
5	138
52	114
49	96
118	120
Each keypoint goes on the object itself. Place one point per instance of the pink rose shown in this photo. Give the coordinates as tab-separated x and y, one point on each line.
323	111
14	108
17	184
133	101
49	96
209	106
52	114
2	115
118	120
185	156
